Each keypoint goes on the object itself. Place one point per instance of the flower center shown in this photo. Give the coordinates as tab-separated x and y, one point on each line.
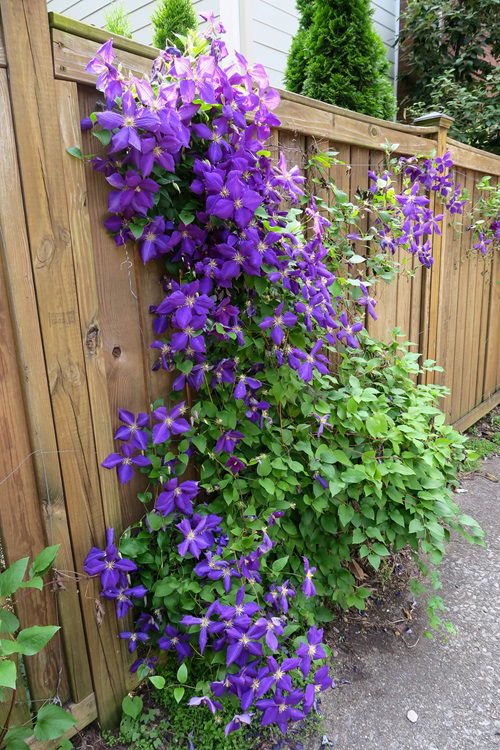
151	237
311	650
129	122
238	203
282	708
205	622
191	536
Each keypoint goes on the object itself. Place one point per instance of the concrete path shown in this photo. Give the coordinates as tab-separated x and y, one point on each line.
453	686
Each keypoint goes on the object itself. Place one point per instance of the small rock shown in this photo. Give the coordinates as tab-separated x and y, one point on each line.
412	716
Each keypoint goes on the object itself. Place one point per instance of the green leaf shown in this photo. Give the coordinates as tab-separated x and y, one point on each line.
397	516
279	564
374	561
178	694
44	560
186	216
415	525
14	739
358	536
346	512
8	673
31	640
376	425
268	485
104	136
8	621
132	706
182	673
75	151
158	681
51	722
65	745
264	467
33	583
11	578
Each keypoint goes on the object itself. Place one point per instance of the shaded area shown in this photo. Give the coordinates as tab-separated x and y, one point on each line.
453	685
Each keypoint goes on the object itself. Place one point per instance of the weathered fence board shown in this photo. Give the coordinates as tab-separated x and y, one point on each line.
78	328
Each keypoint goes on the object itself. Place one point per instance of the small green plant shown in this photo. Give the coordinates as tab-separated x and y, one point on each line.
117	21
171	19
51	720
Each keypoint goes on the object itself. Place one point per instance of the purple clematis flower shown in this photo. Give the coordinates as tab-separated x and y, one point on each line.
204	700
153	241
206	624
268	627
173	638
276	323
368	302
107	74
133	639
311	650
228	441
347	332
185	303
234	465
125	461
236	723
177	496
131	428
322	681
279	672
107	563
308	587
128	123
123	598
132	192
196	538
169	423
281	710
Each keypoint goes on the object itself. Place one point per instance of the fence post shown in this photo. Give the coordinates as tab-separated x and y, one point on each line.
434	277
38	139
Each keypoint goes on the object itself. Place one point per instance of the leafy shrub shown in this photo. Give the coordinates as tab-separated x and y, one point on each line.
172	18
298	469
51	721
116	20
451	51
340	59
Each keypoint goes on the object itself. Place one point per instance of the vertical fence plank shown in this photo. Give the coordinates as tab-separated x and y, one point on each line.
123	343
35	119
34	382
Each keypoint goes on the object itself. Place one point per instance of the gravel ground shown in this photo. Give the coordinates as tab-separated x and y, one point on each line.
452	686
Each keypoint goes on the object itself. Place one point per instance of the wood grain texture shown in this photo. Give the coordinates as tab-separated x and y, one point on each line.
124	347
35	386
3	57
37	130
20	509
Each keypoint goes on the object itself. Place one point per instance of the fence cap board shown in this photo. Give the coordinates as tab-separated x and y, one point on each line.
473	158
95	34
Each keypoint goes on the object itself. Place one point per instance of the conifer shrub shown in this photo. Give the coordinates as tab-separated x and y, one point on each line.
170	19
342	58
117	21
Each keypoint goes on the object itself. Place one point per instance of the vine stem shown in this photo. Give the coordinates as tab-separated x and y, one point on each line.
7	720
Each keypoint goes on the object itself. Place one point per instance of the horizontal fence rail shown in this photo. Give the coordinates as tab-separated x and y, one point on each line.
76	327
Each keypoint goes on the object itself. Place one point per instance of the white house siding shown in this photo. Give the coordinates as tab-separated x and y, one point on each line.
266	27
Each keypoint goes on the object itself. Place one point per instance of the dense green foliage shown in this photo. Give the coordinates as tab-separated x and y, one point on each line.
451	50
117	21
170	19
338	57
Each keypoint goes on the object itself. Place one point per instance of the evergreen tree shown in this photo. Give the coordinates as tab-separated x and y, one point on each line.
297	57
172	17
343	59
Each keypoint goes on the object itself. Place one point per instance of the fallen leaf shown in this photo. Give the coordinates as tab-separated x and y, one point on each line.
357	570
407	613
99	612
491	477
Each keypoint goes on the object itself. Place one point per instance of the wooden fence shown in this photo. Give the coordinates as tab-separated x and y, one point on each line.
76	329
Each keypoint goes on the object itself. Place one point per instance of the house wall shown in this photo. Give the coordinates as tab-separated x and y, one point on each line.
266	27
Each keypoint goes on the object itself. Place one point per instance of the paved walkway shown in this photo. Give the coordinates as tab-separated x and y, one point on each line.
453	686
